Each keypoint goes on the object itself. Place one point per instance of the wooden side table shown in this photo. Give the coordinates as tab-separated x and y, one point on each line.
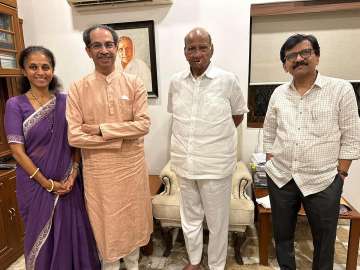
263	222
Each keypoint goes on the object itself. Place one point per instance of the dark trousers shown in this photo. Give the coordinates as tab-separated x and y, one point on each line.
322	211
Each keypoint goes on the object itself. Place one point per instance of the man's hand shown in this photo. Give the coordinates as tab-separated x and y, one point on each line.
91	129
70	181
342	177
268	156
60	188
237	119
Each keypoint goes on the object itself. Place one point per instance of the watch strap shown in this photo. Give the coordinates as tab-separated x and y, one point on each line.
343	173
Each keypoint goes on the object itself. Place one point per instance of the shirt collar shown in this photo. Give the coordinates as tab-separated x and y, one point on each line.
210	73
107	78
319	82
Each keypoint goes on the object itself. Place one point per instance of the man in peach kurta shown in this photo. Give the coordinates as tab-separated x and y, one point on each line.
107	117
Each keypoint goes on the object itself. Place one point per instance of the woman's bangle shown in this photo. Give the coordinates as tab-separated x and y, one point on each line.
36	171
52	186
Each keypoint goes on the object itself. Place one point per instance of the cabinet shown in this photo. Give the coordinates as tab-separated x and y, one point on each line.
11	41
4	148
11	3
8	88
11	226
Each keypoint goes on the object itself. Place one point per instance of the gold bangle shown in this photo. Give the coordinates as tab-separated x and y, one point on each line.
52	186
36	171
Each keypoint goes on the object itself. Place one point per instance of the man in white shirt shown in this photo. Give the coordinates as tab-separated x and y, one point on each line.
311	135
206	105
127	62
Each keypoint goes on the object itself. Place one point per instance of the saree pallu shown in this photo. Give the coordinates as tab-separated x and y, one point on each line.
57	230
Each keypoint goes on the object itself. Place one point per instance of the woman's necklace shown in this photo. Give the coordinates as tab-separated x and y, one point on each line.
51	118
36	98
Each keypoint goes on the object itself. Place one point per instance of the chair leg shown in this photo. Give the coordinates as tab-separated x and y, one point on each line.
239	239
168	240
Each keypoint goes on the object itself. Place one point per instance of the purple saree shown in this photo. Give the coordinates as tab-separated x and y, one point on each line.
57	230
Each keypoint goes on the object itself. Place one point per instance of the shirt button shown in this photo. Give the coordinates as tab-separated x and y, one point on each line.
298	128
300	112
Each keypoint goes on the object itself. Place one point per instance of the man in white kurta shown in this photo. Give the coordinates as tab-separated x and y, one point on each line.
206	105
107	117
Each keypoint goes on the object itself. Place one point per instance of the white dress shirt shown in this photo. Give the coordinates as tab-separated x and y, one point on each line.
308	134
204	137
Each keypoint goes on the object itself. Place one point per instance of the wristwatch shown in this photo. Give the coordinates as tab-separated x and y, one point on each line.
343	173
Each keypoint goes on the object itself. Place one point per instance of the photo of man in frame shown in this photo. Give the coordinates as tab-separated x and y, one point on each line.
133	55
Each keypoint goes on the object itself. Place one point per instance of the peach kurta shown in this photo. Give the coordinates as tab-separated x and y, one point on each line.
115	174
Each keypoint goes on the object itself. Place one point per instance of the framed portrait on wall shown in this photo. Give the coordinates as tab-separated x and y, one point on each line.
136	52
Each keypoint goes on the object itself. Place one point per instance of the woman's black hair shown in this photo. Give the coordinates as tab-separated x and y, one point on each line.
24	55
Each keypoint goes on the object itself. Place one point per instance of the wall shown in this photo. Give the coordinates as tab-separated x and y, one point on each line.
274	30
54	24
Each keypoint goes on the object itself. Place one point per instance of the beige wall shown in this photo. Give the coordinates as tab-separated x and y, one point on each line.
338	34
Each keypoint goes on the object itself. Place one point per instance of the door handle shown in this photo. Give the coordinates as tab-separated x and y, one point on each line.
12	213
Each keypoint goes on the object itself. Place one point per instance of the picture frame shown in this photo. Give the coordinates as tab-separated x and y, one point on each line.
136	52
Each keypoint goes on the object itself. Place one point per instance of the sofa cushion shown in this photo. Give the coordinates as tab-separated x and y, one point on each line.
166	207
241	212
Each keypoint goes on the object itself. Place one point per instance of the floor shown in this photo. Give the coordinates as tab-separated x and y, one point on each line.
178	258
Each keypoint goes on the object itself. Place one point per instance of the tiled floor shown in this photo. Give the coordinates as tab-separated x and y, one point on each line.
178	258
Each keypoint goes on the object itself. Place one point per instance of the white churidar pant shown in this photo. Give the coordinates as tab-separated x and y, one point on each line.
131	262
209	198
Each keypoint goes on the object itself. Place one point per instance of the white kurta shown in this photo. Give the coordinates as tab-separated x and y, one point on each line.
203	155
204	137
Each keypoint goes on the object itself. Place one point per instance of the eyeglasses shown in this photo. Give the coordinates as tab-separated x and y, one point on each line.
96	46
306	53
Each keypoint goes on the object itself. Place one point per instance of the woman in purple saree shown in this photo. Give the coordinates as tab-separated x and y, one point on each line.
49	191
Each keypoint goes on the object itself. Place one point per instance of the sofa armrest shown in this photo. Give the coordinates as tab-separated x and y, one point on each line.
168	177
240	179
